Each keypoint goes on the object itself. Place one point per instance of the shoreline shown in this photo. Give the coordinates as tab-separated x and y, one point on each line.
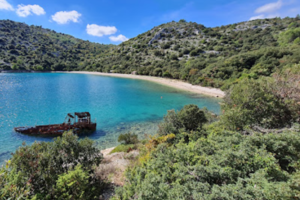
214	92
107	151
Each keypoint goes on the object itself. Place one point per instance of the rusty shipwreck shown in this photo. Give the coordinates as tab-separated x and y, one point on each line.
79	122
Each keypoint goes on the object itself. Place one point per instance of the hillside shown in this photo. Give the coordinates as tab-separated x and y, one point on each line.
208	56
215	57
24	47
250	151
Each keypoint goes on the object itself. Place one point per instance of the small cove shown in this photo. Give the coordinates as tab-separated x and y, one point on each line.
119	105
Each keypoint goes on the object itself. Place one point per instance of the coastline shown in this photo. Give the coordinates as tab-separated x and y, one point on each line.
214	92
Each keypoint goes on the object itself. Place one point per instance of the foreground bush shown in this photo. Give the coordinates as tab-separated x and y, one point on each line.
60	169
268	102
223	165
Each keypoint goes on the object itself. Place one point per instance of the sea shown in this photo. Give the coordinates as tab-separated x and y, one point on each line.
118	105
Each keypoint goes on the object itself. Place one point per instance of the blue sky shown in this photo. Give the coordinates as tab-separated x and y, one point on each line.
114	21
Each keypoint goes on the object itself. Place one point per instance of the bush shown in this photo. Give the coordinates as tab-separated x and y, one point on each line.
33	171
157	53
186	51
167	74
225	165
165	46
261	103
74	185
123	148
157	72
192	117
189	118
173	57
289	36
194	53
128	138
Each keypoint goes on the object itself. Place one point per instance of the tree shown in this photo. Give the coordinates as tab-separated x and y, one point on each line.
157	72
192	117
15	66
189	118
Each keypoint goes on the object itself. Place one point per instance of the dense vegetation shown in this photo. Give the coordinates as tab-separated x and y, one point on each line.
250	151
226	159
24	47
215	57
62	169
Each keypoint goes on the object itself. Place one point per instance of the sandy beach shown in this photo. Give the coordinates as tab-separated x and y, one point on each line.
164	81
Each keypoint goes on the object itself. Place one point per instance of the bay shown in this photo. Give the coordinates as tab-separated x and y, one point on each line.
119	105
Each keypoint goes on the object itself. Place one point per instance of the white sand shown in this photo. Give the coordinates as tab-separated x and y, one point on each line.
164	81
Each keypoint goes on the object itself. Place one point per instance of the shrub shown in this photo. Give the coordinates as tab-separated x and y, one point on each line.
225	165
289	35
194	53
128	138
123	148
261	103
157	53
186	51
192	117
74	185
157	72
167	74
166	46
173	57
34	170
189	118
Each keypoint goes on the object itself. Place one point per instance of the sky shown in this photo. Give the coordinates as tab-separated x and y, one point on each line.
115	21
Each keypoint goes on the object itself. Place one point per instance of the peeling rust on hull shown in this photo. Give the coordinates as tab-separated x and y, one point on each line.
78	122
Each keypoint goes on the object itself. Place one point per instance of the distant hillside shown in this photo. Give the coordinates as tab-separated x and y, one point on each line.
183	50
214	57
24	47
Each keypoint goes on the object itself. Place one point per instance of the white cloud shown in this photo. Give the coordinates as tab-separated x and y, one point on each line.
99	31
25	10
257	17
63	17
119	38
270	7
4	5
270	16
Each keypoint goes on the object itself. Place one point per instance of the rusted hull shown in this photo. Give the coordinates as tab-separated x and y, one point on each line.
57	129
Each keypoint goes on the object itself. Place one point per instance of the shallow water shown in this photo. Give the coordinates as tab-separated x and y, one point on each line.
119	105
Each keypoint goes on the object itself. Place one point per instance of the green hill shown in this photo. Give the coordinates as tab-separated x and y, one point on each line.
215	57
24	47
209	56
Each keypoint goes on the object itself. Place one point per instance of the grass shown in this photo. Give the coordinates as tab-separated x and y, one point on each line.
123	148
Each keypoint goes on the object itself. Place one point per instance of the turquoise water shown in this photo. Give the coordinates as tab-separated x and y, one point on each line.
119	105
